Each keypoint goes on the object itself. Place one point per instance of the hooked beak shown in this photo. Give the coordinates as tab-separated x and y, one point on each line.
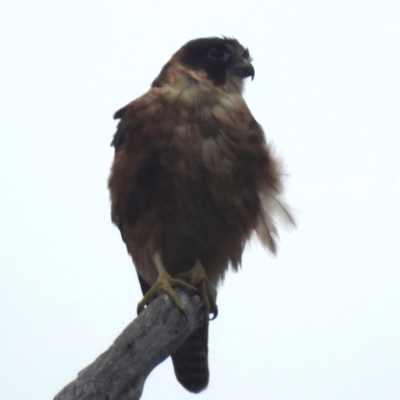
243	69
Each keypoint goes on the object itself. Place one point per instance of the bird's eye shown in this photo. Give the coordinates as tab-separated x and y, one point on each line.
218	54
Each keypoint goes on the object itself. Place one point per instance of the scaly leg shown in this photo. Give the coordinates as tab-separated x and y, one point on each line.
165	284
197	277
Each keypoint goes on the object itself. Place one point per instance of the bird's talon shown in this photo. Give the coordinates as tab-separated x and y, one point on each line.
214	314
165	284
197	277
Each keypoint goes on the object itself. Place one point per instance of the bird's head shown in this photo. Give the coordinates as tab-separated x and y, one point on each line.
215	62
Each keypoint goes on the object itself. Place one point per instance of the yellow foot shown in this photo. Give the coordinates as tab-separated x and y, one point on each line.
197	277
165	284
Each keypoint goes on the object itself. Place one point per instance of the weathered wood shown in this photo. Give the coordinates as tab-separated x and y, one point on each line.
120	372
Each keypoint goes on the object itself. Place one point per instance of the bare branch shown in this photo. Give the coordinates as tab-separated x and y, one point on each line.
120	372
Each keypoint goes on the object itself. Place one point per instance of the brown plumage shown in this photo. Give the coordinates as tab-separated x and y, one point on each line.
193	176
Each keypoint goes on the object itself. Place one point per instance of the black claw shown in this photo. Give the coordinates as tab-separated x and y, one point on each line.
184	314
214	315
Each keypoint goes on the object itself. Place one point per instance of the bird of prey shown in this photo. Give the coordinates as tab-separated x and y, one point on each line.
193	177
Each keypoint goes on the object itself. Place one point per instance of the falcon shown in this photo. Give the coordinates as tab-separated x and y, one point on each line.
192	179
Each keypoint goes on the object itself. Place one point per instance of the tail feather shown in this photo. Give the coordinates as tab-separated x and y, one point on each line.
191	361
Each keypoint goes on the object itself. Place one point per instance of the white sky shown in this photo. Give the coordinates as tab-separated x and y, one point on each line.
322	320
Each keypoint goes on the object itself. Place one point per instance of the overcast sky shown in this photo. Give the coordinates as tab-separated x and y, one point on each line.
319	322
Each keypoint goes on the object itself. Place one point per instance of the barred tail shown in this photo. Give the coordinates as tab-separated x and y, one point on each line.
191	361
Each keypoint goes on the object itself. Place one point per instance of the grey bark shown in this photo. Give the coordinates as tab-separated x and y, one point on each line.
121	371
